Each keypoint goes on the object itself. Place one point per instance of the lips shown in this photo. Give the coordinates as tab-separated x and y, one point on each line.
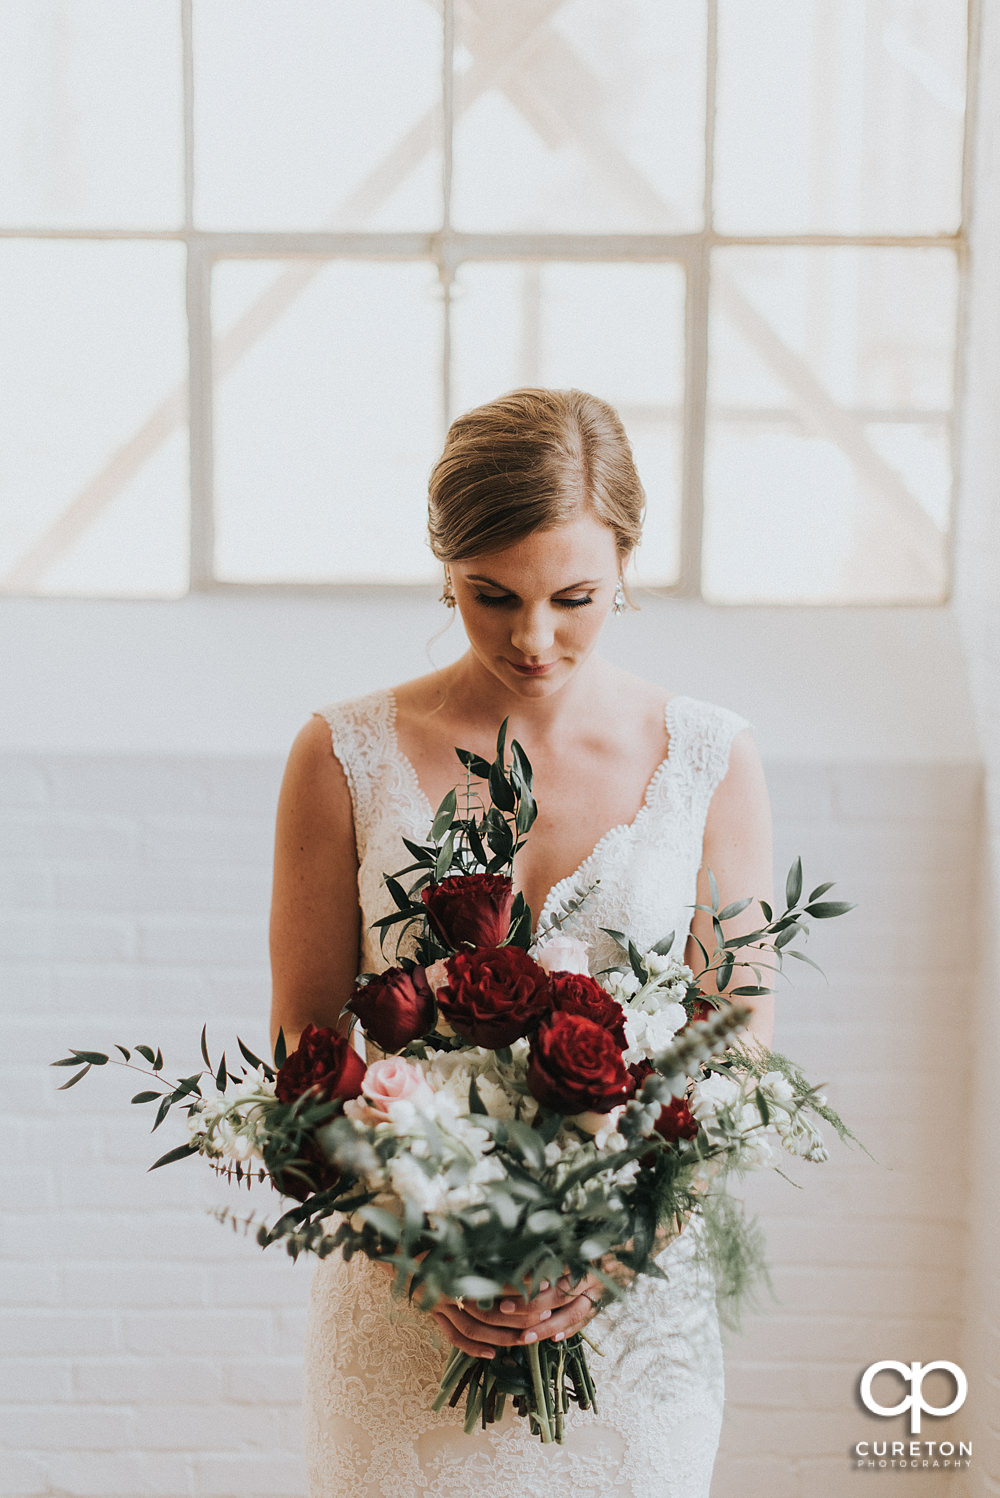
532	670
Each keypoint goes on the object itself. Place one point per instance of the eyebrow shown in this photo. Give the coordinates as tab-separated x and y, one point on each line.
476	577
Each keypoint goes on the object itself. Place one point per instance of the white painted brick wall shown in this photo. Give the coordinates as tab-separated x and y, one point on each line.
145	1350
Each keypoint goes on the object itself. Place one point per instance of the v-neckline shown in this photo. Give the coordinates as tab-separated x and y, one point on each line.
569	880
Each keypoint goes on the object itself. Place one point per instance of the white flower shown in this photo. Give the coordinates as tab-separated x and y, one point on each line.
710	1096
622	986
410	1182
777	1088
562	954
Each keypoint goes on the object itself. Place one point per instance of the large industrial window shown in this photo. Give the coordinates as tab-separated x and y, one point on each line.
255	253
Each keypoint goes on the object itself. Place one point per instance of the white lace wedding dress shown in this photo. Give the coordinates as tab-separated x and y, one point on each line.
372	1365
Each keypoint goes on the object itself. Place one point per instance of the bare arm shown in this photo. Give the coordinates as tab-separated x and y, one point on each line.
315	919
738	850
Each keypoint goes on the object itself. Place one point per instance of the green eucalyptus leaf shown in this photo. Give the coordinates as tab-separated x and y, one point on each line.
444	859
222	1076
801	957
253	1060
280	1049
768	912
158	1063
476	1104
161	1113
92	1058
474	763
821	889
180	1153
204	1048
724	973
762	1108
793	884
636	963
125	1053
522	764
73	1080
400	898
501	790
713	890
146	1097
737	908
824	910
445	815
664	944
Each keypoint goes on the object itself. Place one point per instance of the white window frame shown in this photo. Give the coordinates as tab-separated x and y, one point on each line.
447	249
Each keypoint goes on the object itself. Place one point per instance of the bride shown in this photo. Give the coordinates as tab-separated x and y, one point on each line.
535	509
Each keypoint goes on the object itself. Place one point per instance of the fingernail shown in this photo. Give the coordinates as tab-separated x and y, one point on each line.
544	1285
487	1354
545	1316
508	1307
558	1336
531	1336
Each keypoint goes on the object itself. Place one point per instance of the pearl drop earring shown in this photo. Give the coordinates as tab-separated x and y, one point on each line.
619	605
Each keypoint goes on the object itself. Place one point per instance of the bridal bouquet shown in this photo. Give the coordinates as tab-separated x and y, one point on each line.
527	1122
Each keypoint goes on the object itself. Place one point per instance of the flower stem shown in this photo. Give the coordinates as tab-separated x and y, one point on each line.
540	1412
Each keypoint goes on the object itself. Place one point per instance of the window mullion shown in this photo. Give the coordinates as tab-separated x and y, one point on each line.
199	312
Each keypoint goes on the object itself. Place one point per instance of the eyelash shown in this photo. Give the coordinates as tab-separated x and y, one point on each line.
492	601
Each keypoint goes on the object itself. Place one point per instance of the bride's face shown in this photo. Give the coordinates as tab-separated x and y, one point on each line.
533	612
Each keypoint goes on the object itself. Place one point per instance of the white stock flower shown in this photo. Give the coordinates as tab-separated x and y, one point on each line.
711	1095
777	1088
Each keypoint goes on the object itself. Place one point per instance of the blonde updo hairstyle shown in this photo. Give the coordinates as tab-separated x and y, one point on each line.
528	462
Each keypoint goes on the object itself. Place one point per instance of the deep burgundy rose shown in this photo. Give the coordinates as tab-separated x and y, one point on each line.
576	993
395	1007
494	996
325	1064
576	1067
470	910
676	1121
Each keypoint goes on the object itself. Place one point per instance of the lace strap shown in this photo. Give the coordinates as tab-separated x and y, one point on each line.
362	733
700	738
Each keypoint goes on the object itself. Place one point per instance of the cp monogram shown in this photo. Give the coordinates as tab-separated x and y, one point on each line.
914	1374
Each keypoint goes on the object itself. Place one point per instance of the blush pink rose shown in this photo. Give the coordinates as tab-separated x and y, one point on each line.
390	1081
563	954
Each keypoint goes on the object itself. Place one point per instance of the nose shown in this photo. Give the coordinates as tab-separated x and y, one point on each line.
532	632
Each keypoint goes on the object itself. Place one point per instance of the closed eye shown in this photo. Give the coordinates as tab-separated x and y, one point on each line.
504	600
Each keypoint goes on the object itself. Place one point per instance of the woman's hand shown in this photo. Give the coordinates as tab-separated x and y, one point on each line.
555	1313
515	1321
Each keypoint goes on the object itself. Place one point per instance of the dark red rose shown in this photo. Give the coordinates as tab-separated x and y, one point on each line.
324	1064
395	1007
313	1173
470	910
494	996
576	1067
676	1121
576	993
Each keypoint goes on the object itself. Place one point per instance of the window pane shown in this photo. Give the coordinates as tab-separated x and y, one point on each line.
840	116
91	124
92	367
327	420
585	115
828	471
311	115
614	330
